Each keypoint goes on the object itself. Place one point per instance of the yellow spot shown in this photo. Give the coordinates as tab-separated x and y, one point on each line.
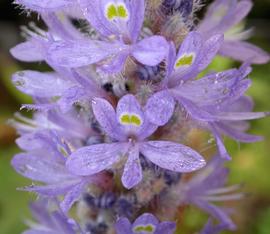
130	119
116	11
148	228
111	12
185	60
125	119
122	11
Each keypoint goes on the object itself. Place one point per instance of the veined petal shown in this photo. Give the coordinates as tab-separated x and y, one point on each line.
137	8
106	116
244	51
160	107
132	174
172	156
95	158
236	116
40	84
151	51
45	5
29	51
72	196
81	53
40	168
123	226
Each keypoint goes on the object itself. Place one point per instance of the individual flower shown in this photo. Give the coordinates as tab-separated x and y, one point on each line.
146	223
129	127
221	17
50	221
208	99
119	24
44	162
209	186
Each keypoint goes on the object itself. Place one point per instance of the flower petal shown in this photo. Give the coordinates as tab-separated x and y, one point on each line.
123	226
172	156
37	167
81	53
106	116
244	51
160	107
166	228
95	158
132	174
151	51
40	84
45	5
29	51
72	196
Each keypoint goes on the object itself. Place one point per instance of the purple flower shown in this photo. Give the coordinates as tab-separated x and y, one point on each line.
129	127
208	100
146	223
44	162
119	24
50	221
209	186
221	16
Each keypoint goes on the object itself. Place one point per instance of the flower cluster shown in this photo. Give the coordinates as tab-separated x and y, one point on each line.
113	118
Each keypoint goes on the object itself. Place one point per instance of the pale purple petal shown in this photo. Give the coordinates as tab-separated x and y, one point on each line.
81	53
137	8
95	158
123	226
29	51
72	196
106	116
151	51
236	116
160	107
216	212
132	174
52	189
40	84
44	5
172	156
166	228
38	167
244	51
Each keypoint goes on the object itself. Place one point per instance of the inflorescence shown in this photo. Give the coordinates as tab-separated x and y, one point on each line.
112	122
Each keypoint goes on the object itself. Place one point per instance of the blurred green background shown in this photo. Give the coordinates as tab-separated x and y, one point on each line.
250	164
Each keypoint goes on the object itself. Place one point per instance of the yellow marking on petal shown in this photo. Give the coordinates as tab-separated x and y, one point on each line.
122	11
124	119
111	12
134	119
185	60
131	119
148	228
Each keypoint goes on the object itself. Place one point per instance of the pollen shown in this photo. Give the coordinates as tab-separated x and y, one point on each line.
185	60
